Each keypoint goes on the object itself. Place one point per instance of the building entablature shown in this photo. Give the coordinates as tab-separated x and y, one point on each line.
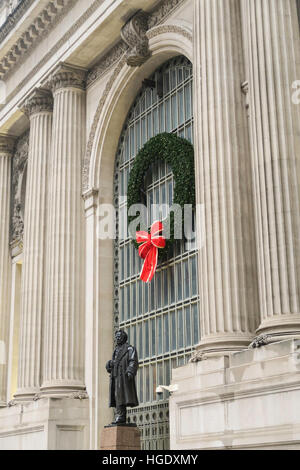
92	35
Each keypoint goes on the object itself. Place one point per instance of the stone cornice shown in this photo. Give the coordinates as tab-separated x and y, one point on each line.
40	27
7	144
66	76
39	101
14	18
160	14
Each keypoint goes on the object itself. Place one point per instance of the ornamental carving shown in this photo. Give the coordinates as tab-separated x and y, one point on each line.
197	356
134	35
156	17
87	158
18	190
260	341
15	14
163	11
39	101
169	28
107	62
79	396
40	27
67	76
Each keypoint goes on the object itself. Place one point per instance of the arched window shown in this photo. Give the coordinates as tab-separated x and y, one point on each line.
161	319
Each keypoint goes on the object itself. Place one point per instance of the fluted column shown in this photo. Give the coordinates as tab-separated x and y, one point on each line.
64	324
6	152
273	45
228	292
39	109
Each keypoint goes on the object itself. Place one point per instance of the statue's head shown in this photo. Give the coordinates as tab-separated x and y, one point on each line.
121	337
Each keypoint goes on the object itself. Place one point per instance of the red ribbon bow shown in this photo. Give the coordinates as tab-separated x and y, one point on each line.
149	249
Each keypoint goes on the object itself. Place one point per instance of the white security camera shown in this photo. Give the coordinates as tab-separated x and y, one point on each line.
171	388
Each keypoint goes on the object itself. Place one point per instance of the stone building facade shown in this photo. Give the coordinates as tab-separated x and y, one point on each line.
222	319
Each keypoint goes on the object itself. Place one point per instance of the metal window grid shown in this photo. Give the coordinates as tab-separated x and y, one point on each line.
161	319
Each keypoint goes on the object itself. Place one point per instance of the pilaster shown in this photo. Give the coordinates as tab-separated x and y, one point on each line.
273	47
6	153
228	293
63	363
38	107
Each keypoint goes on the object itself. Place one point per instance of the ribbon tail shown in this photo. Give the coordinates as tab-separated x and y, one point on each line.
153	264
150	265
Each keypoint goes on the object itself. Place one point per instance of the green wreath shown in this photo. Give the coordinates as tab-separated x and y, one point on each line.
179	154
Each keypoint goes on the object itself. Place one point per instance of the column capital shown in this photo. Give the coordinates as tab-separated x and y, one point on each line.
7	144
39	101
67	76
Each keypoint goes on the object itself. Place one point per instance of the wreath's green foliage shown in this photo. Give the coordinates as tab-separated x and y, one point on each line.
179	154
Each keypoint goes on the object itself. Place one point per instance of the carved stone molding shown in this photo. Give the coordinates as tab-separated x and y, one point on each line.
169	28
164	9
197	356
7	144
134	35
12	403
107	62
39	101
40	27
260	341
79	396
86	164
67	76
119	49
18	190
87	158
13	18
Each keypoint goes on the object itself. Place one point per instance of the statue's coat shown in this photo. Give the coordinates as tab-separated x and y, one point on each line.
125	361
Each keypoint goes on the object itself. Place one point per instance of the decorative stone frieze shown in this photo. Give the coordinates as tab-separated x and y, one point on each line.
40	27
134	35
14	17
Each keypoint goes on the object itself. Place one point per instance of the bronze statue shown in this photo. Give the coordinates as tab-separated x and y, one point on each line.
122	369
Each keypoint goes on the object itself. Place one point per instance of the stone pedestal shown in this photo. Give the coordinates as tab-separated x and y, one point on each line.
46	424
244	400
120	438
